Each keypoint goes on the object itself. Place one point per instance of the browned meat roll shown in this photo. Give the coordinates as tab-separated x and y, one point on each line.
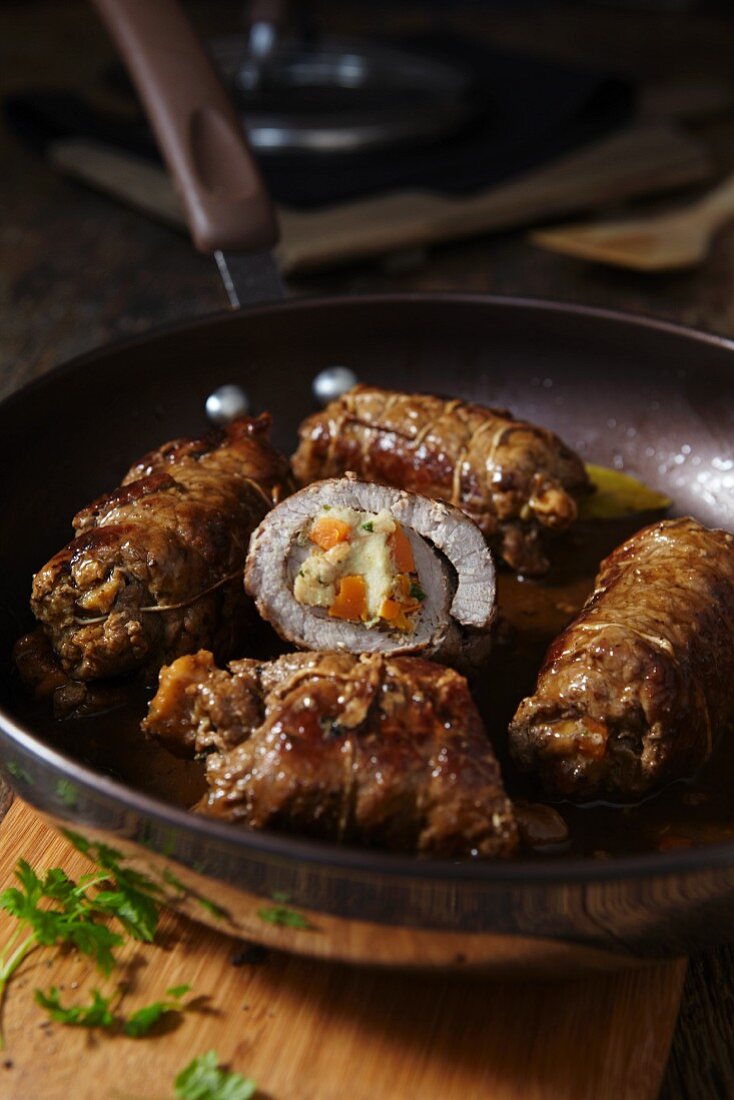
156	567
634	692
515	480
351	565
374	750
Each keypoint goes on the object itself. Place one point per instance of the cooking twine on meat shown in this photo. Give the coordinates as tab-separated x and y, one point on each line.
172	606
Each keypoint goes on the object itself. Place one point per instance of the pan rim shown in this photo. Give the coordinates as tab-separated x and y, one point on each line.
523	872
299	302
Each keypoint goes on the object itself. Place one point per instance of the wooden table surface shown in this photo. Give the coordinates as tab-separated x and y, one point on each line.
77	270
305	1029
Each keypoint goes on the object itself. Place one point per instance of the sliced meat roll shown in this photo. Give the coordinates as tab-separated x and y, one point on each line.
155	568
373	750
634	692
347	565
516	480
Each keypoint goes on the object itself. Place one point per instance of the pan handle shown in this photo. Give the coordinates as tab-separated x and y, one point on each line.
198	130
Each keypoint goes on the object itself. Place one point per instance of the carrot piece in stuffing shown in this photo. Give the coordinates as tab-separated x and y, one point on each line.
390	610
394	614
351	599
328	532
402	551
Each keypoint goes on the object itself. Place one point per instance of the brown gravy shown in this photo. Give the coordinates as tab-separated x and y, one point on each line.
684	814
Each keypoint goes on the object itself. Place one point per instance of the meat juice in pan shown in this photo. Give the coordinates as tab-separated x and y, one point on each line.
532	613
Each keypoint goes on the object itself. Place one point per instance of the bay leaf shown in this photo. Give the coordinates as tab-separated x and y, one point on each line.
617	494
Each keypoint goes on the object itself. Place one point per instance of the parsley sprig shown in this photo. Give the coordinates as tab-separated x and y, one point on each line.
95	1014
99	1012
282	914
204	1079
56	910
139	1023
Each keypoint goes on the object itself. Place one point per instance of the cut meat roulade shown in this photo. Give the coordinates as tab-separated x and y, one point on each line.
347	565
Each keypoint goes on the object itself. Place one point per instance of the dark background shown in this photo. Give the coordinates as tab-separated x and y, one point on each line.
77	270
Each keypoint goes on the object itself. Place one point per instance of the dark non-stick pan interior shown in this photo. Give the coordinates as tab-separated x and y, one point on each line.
652	399
641	396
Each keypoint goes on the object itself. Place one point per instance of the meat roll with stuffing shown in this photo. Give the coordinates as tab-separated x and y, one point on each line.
515	480
373	750
635	691
155	569
348	565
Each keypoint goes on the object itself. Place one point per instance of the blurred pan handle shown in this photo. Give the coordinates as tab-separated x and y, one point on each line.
198	130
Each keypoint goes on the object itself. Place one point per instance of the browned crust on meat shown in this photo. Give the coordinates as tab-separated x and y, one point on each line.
515	480
372	750
635	691
154	571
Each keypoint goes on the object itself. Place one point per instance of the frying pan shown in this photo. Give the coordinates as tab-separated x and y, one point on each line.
622	390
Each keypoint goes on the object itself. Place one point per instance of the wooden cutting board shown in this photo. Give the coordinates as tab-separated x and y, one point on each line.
307	1030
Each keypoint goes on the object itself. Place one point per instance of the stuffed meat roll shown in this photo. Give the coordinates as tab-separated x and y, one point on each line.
375	750
515	480
155	569
635	691
349	565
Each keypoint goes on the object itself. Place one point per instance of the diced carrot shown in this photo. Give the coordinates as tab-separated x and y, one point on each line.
351	599
393	613
328	532
390	610
402	551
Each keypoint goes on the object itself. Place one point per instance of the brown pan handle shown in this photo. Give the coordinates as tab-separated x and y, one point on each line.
197	127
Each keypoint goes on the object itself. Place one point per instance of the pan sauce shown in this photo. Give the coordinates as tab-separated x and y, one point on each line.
684	814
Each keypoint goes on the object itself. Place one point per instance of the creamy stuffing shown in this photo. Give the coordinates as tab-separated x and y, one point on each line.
359	567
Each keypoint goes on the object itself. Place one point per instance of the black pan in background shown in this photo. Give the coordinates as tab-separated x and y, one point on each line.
523	111
656	398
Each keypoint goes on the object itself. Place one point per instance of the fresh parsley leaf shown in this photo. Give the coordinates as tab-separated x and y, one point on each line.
205	903
135	901
99	1012
19	772
282	915
139	1023
66	792
96	1014
56	910
71	918
174	881
417	592
137	913
368	526
204	1079
178	991
80	842
209	906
